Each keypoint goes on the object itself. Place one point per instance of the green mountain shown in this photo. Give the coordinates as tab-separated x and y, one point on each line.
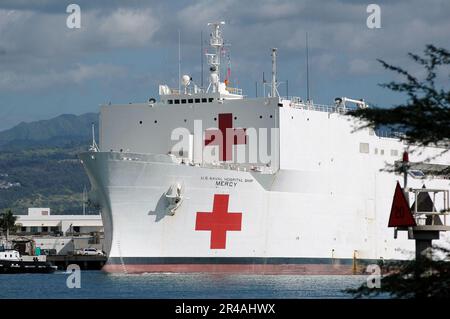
39	166
66	129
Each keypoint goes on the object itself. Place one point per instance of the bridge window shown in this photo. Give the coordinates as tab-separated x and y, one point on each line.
204	100
211	99
364	148
183	101
170	101
177	101
197	100
190	101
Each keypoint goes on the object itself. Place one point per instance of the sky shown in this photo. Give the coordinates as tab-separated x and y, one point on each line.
125	49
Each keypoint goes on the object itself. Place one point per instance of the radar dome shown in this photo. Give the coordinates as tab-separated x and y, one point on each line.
185	79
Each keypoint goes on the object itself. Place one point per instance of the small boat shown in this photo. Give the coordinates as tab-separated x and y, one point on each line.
11	262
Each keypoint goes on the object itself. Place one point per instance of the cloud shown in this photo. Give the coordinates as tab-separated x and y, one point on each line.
360	66
139	39
10	81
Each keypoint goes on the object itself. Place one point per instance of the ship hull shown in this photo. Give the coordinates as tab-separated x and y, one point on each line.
266	266
307	231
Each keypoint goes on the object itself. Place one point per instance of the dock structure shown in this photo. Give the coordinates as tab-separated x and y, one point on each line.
84	262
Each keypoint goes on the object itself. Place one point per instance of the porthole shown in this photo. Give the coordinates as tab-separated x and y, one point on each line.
140	122
215	119
260	116
156	121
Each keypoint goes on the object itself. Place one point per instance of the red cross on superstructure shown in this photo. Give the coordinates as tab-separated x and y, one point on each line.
229	136
219	221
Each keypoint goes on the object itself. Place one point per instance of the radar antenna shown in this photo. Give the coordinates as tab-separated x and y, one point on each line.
216	42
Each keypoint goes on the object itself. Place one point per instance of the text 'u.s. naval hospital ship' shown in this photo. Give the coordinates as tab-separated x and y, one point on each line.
207	180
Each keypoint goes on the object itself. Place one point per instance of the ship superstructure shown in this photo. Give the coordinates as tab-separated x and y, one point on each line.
208	180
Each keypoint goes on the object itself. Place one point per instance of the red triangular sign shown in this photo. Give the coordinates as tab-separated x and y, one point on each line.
401	215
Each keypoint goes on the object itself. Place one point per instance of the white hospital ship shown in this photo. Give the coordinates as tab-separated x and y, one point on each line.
208	180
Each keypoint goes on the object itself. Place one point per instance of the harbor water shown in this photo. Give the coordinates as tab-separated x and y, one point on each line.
100	285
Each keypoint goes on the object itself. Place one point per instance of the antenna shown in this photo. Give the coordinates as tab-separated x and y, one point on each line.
307	68
256	88
274	73
216	42
287	89
264	85
179	61
94	146
201	56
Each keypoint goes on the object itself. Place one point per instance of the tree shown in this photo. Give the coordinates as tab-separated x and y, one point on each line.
423	278
425	117
8	222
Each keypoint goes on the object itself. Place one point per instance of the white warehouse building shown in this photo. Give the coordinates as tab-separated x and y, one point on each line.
41	221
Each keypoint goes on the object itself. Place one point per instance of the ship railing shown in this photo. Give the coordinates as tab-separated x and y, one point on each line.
389	134
189	90
234	90
241	167
299	103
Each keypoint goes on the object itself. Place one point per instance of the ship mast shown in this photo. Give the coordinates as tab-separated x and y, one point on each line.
216	42
274	73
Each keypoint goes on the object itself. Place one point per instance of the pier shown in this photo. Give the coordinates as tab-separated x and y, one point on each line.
84	262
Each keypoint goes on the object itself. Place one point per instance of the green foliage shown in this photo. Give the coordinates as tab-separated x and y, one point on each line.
42	157
423	278
49	177
7	221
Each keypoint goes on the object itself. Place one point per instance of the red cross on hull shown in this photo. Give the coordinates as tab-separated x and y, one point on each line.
219	221
225	136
